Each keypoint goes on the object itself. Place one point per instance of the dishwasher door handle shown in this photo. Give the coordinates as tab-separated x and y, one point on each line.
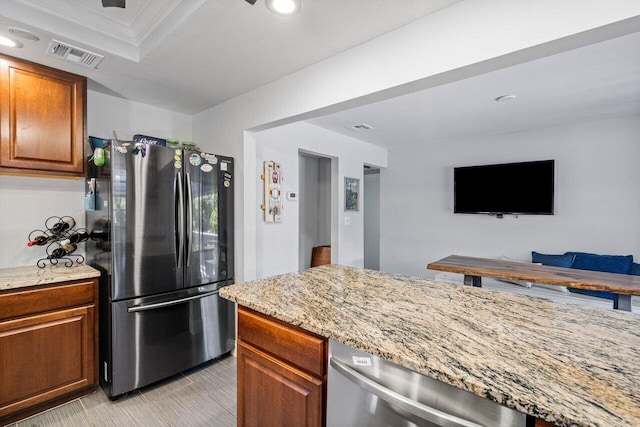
418	409
137	308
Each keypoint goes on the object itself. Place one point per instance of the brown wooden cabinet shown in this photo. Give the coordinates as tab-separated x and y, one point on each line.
42	120
48	346
281	373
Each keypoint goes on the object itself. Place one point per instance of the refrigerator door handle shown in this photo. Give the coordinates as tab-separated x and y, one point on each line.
189	236
179	215
137	308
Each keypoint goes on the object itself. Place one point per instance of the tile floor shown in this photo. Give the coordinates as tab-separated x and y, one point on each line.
203	396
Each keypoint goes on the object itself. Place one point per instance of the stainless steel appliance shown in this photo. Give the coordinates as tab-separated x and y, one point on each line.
162	236
365	390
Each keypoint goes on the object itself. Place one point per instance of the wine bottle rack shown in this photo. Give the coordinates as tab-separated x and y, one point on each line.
61	235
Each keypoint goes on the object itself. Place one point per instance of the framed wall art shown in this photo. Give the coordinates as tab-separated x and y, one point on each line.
351	194
272	201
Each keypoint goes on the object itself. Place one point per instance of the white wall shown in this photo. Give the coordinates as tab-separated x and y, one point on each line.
597	202
26	202
324	201
307	208
277	243
107	113
314	206
468	38
371	213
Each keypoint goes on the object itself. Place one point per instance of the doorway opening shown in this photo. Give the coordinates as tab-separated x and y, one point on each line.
371	217
315	201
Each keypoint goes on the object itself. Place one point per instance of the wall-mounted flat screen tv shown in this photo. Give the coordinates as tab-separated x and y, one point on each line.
512	188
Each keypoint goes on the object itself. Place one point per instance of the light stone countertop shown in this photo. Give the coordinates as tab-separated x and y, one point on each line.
568	364
22	277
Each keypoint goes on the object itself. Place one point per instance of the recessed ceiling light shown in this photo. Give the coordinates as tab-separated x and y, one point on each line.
283	7
6	41
504	98
23	34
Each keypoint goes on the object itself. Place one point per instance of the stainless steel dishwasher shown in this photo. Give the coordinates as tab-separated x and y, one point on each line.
365	390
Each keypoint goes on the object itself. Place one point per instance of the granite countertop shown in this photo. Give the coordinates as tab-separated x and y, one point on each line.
568	364
21	277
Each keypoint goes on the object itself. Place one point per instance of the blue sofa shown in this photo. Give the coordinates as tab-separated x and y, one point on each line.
621	264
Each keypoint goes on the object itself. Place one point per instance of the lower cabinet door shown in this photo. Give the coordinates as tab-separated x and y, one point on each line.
44	357
273	393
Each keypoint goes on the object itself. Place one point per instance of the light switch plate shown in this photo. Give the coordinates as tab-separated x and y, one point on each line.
347	220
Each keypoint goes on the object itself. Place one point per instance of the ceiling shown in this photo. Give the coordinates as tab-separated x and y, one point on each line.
189	55
590	83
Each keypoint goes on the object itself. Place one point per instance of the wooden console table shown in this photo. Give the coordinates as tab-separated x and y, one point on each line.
623	286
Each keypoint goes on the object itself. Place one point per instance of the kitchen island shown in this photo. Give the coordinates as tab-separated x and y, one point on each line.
567	364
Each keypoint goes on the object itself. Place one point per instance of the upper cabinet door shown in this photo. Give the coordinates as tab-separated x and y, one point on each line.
42	119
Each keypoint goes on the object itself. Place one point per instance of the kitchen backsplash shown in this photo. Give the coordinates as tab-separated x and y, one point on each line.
25	203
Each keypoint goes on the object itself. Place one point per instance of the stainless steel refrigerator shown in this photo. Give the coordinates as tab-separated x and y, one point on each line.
161	221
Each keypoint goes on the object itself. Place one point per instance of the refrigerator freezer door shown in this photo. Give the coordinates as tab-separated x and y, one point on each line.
147	233
160	336
209	218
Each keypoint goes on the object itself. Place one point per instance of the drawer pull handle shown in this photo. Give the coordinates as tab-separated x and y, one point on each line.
137	308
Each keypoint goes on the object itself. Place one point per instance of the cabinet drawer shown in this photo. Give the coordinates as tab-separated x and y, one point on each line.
295	345
41	299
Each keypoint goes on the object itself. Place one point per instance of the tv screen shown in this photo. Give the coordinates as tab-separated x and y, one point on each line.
510	188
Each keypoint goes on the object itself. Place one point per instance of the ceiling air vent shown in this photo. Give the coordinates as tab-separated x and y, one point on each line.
361	126
74	54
